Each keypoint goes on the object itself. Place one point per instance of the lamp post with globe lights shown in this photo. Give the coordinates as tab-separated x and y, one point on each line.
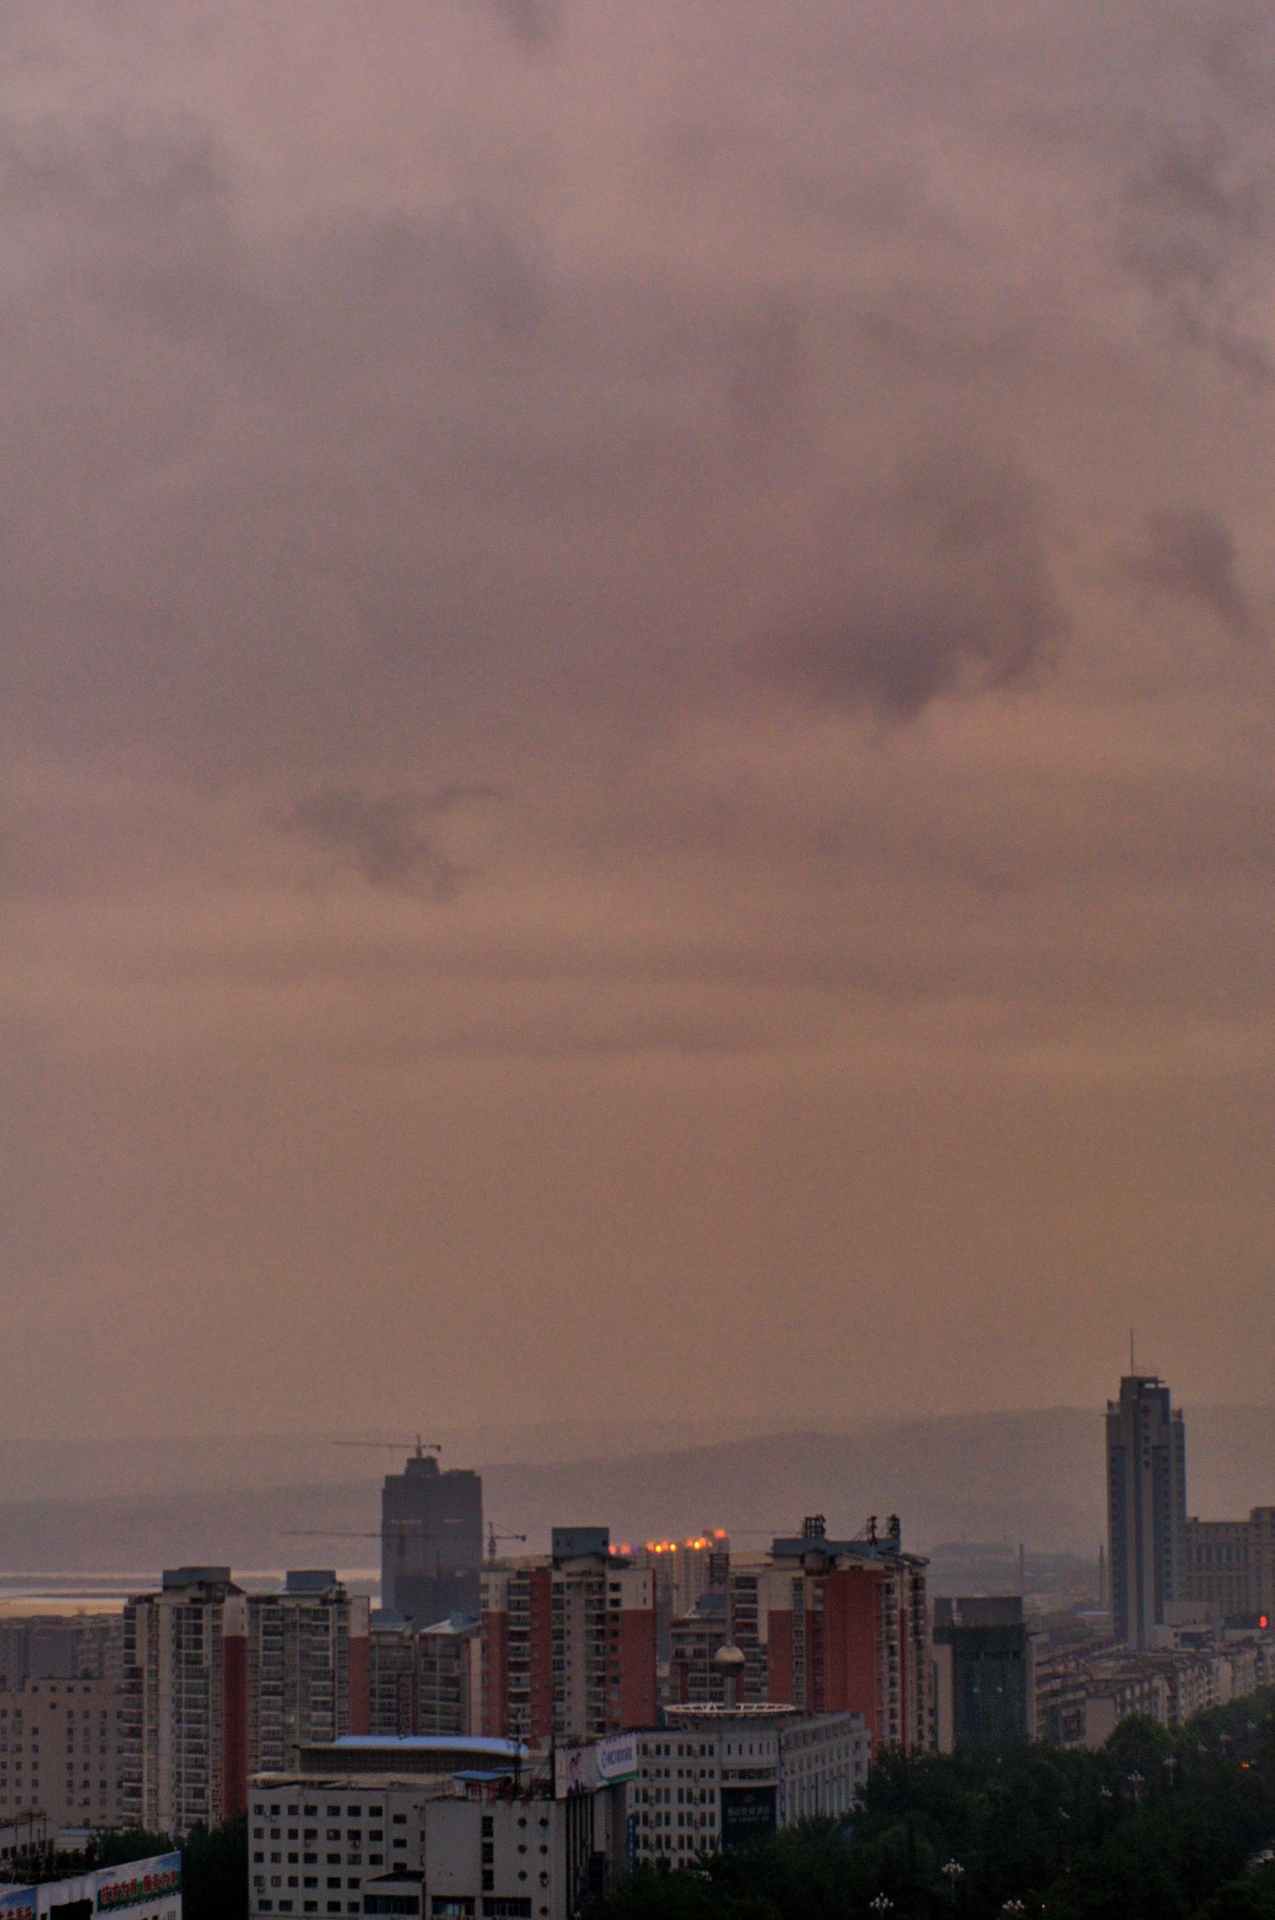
953	1872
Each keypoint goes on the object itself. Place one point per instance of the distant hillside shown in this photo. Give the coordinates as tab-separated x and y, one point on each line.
1031	1477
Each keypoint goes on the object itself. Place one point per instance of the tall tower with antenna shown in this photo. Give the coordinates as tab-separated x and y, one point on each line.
1146	1507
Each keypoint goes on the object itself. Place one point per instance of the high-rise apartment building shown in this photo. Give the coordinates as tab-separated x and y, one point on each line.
305	1655
696	1676
431	1541
568	1643
175	1680
747	1629
847	1631
221	1684
683	1569
1146	1508
426	1679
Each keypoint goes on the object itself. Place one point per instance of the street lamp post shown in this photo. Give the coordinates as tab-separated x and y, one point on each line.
953	1872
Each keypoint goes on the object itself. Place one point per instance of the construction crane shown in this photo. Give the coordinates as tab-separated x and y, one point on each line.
396	1529
395	1446
494	1539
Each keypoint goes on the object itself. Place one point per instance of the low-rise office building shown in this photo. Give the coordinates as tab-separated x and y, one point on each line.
717	1777
64	1745
82	1646
1230	1564
1081	1697
984	1673
469	1844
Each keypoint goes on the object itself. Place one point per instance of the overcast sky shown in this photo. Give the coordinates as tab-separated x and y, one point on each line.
636	698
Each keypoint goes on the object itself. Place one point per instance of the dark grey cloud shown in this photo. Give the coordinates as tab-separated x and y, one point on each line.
1196	220
536	23
632	404
388	838
945	590
134	212
1238	51
1191	555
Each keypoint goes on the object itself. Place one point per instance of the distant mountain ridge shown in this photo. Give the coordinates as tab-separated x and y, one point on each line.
1034	1477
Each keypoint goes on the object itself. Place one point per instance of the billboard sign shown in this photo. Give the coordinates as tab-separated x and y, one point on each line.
617	1758
748	1813
595	1763
575	1770
142	1889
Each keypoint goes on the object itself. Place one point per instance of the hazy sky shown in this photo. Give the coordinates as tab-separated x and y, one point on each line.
637	707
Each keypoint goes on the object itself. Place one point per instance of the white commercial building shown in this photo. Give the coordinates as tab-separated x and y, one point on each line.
466	1846
720	1776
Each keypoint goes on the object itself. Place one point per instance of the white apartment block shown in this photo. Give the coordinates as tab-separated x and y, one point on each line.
63	1747
305	1646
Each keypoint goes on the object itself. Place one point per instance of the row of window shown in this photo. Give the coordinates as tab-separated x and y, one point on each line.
311	1812
334	1881
332	1859
354	1835
308	1906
